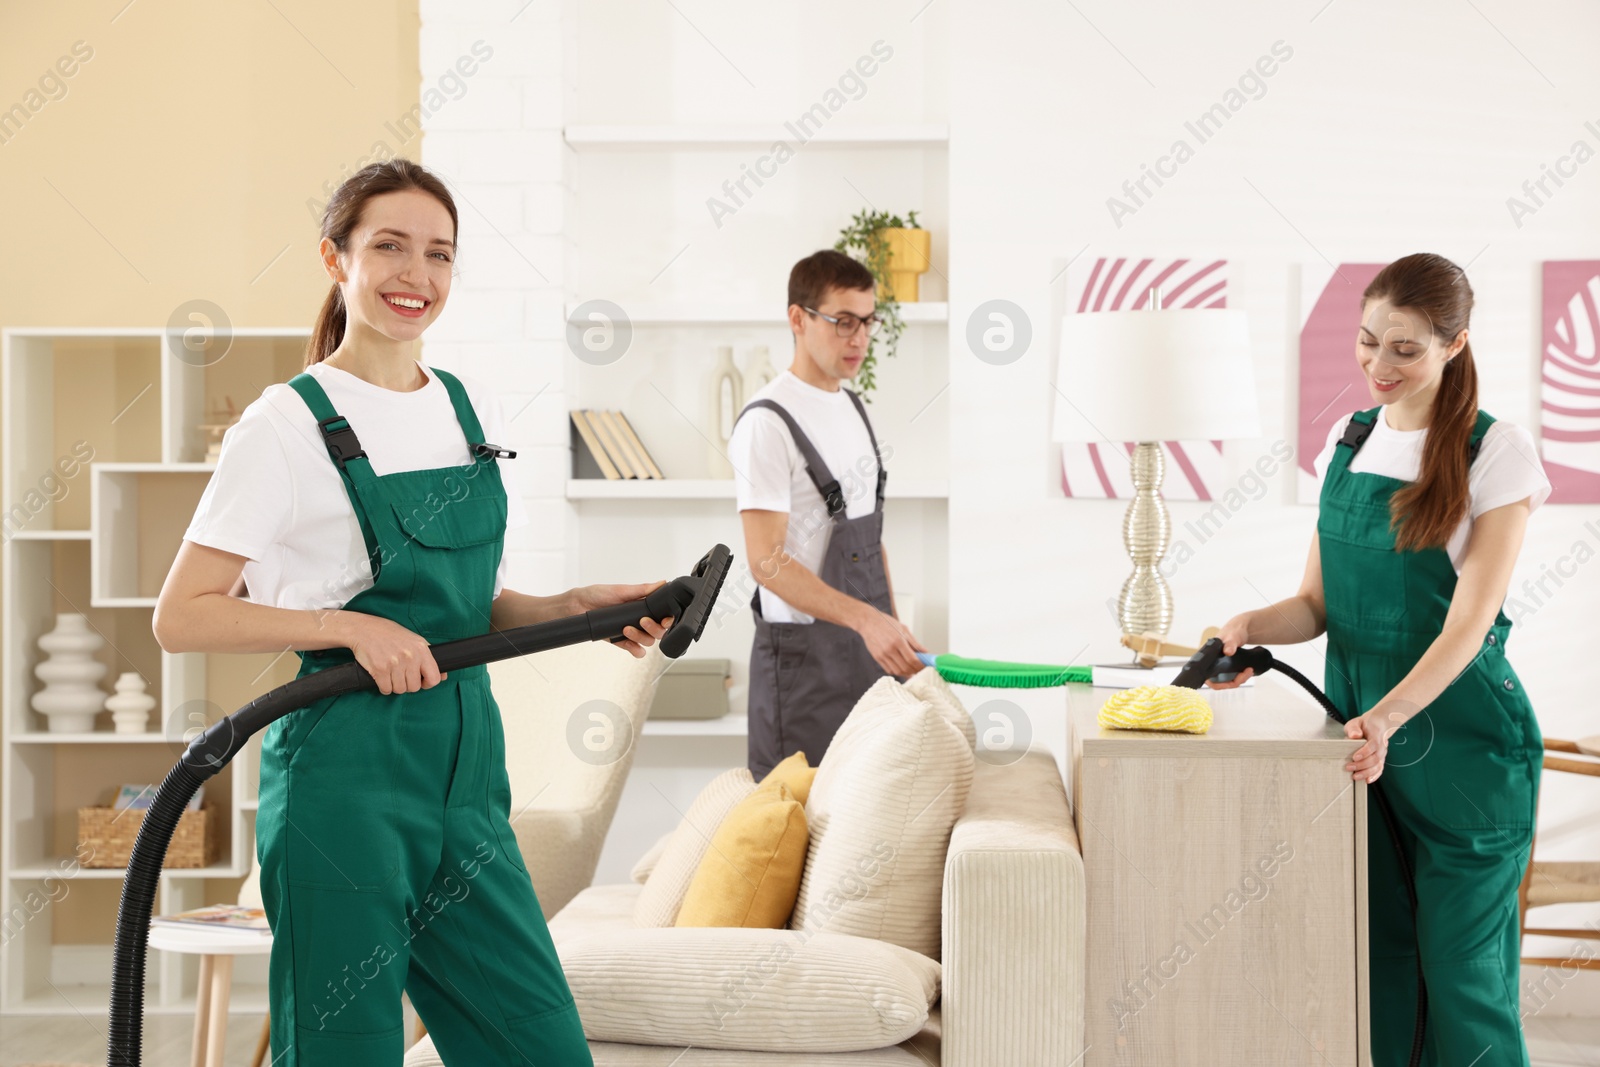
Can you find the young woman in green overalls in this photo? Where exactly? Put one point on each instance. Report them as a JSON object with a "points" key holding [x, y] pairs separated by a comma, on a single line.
{"points": [[387, 858], [1407, 575]]}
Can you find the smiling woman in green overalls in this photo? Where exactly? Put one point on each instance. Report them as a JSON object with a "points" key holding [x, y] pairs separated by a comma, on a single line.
{"points": [[362, 504], [1424, 503]]}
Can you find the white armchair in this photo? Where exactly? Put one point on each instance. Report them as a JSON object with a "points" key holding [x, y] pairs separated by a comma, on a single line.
{"points": [[572, 720]]}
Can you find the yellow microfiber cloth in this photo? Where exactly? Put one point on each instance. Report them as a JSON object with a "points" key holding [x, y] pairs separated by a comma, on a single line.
{"points": [[1157, 707]]}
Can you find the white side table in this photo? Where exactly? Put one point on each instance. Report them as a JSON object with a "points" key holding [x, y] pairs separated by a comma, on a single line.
{"points": [[216, 949]]}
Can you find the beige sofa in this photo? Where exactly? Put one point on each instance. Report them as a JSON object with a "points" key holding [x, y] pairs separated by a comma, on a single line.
{"points": [[1012, 941]]}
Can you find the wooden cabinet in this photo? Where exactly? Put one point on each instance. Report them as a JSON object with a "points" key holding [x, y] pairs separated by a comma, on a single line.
{"points": [[1226, 886]]}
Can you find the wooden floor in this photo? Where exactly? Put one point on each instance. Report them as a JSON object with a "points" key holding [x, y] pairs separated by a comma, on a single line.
{"points": [[168, 1039], [30, 1039]]}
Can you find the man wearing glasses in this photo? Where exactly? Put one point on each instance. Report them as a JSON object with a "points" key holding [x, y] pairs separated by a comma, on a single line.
{"points": [[809, 485]]}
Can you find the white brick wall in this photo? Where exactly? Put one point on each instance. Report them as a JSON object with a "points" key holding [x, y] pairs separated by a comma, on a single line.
{"points": [[497, 141]]}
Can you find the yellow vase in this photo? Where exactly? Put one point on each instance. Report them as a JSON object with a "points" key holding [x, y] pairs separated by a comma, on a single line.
{"points": [[908, 257]]}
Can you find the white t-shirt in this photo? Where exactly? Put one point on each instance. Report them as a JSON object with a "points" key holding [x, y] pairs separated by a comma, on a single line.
{"points": [[277, 499], [1507, 468], [770, 473]]}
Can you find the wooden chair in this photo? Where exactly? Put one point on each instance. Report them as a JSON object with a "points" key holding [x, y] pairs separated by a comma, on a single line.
{"points": [[1562, 882]]}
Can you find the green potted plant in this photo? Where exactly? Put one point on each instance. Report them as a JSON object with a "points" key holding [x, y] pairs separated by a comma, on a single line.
{"points": [[895, 250]]}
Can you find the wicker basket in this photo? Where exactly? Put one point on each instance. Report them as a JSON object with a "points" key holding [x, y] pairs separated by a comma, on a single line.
{"points": [[195, 843]]}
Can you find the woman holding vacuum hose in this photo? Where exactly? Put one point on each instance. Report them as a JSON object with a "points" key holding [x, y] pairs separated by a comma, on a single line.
{"points": [[1423, 507], [366, 513]]}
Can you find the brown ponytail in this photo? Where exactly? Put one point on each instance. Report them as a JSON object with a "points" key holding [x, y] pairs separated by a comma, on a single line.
{"points": [[1426, 512], [343, 215]]}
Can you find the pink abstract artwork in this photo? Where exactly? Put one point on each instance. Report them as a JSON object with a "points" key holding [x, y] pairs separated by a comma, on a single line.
{"points": [[1569, 380], [1331, 385]]}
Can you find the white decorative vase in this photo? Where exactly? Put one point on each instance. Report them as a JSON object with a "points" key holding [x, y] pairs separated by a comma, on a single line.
{"points": [[70, 698], [758, 370], [725, 401], [130, 707]]}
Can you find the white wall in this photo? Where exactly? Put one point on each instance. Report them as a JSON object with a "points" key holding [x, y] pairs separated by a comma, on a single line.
{"points": [[498, 143], [1392, 129]]}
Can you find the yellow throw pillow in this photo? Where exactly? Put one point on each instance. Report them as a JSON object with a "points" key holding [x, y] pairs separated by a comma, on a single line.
{"points": [[751, 873], [793, 772]]}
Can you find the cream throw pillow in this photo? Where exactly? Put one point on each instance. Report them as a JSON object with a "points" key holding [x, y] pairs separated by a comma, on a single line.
{"points": [[751, 989], [890, 788], [663, 891], [927, 685], [647, 862]]}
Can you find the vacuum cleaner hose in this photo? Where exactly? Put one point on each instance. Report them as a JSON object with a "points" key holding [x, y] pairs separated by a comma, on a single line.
{"points": [[1209, 662], [687, 601]]}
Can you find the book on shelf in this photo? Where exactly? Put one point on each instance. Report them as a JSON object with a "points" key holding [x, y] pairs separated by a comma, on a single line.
{"points": [[587, 446], [606, 441], [613, 447], [627, 428], [635, 458], [140, 797], [218, 917]]}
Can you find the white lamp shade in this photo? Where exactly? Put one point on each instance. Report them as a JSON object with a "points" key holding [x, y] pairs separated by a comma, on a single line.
{"points": [[1180, 374]]}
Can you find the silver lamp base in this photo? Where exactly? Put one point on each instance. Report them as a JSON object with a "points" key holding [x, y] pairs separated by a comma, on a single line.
{"points": [[1145, 603]]}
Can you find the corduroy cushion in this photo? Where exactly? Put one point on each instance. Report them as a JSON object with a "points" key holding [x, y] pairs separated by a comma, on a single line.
{"points": [[647, 862], [927, 685], [663, 891], [758, 990], [751, 873], [892, 784]]}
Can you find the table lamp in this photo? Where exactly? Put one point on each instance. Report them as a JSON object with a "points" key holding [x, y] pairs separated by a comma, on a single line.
{"points": [[1146, 377]]}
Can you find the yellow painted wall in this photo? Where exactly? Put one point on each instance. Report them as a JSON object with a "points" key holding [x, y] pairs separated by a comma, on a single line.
{"points": [[155, 153]]}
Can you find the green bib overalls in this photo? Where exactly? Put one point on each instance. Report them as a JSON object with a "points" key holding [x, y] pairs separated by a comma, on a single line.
{"points": [[387, 858], [1462, 776]]}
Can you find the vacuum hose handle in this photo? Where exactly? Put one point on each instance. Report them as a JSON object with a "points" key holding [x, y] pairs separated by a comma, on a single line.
{"points": [[1209, 662], [686, 600]]}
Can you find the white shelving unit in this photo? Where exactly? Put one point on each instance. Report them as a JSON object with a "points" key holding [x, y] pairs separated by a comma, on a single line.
{"points": [[726, 726], [680, 319], [103, 465]]}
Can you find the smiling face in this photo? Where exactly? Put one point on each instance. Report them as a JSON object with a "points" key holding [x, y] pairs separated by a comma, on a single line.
{"points": [[396, 267], [1400, 355], [837, 357]]}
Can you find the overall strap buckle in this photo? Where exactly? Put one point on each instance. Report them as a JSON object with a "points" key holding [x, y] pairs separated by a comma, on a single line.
{"points": [[833, 496], [1356, 434], [343, 445], [483, 448]]}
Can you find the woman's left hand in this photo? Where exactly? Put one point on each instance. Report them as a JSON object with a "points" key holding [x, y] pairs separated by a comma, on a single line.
{"points": [[1376, 726], [636, 639]]}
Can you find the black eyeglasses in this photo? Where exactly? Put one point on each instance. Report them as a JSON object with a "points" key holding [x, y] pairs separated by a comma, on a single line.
{"points": [[847, 324]]}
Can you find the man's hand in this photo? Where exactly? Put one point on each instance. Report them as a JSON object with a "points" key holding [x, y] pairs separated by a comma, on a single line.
{"points": [[890, 642], [635, 639]]}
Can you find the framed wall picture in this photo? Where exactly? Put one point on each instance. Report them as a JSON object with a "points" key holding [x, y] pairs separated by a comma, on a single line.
{"points": [[1331, 383], [1569, 380]]}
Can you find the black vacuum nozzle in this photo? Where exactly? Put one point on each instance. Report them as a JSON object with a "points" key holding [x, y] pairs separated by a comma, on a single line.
{"points": [[703, 583], [1209, 662]]}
